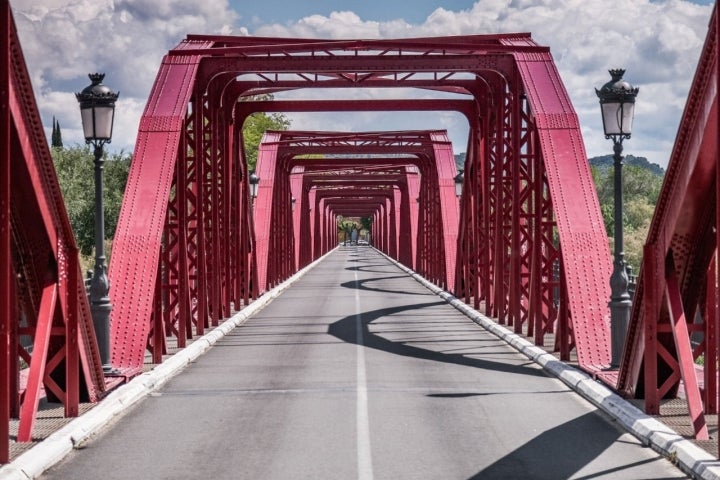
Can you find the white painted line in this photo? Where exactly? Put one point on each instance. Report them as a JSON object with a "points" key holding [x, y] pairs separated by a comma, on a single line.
{"points": [[364, 453]]}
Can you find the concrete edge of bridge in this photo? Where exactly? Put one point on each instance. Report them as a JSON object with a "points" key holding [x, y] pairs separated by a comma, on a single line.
{"points": [[75, 434], [682, 452]]}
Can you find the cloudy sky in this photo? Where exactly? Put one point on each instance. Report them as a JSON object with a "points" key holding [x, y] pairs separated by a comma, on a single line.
{"points": [[657, 41]]}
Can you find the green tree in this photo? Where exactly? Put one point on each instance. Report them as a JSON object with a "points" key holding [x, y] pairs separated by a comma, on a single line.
{"points": [[641, 188], [256, 125], [56, 140], [346, 227], [75, 171], [638, 215]]}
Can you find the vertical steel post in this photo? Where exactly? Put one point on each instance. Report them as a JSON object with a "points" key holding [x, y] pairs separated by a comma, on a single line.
{"points": [[711, 311], [713, 292], [654, 274], [5, 267]]}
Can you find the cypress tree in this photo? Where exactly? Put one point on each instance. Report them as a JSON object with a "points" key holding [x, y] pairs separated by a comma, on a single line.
{"points": [[59, 142], [56, 139], [54, 135]]}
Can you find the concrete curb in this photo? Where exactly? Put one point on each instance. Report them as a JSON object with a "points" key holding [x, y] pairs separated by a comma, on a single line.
{"points": [[60, 443], [687, 456]]}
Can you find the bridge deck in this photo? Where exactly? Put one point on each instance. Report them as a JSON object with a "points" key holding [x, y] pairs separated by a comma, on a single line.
{"points": [[358, 370]]}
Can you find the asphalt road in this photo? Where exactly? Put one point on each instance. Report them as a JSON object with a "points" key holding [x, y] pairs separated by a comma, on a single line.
{"points": [[359, 372]]}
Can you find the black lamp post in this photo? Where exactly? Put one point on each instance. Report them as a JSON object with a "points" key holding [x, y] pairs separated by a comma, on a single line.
{"points": [[254, 180], [459, 179], [97, 110], [617, 103]]}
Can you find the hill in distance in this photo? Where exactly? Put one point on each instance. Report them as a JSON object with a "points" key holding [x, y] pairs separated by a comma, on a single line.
{"points": [[604, 162]]}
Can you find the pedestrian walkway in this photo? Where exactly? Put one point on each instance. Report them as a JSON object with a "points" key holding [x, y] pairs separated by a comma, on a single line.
{"points": [[354, 370]]}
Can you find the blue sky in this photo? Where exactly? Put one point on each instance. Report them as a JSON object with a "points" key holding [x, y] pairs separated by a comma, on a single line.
{"points": [[416, 11], [281, 11], [658, 42]]}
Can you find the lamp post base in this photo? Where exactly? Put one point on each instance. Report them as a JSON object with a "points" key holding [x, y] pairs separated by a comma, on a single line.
{"points": [[100, 310], [620, 306], [619, 321]]}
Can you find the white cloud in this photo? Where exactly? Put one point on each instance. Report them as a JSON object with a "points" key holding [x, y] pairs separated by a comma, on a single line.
{"points": [[64, 40], [657, 42]]}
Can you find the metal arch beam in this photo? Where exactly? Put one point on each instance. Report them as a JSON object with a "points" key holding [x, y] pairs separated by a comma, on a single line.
{"points": [[465, 107], [267, 170], [579, 221], [334, 138], [407, 216], [138, 237], [460, 86], [274, 68], [428, 45], [408, 47], [382, 206], [431, 257]]}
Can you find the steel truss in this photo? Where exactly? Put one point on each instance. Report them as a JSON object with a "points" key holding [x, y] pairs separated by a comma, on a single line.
{"points": [[372, 166], [674, 319], [192, 249], [45, 320]]}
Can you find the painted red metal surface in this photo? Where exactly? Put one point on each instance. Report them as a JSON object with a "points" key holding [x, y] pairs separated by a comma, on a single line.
{"points": [[530, 246], [7, 296], [357, 192], [584, 252], [190, 248], [282, 153], [42, 295], [677, 295], [170, 151]]}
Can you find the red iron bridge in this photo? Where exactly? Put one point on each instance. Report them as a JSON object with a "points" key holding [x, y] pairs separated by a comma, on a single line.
{"points": [[524, 245]]}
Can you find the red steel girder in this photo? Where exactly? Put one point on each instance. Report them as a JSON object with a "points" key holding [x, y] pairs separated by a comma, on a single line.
{"points": [[381, 202], [579, 224], [466, 107], [7, 297], [458, 45]]}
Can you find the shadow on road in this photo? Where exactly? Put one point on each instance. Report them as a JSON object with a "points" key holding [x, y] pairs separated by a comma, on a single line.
{"points": [[345, 330], [555, 454], [558, 453], [551, 455], [362, 285]]}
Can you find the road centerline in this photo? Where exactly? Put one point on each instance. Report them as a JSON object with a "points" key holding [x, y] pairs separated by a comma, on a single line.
{"points": [[365, 470]]}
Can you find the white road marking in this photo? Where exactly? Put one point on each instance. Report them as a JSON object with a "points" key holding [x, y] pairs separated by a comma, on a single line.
{"points": [[365, 471]]}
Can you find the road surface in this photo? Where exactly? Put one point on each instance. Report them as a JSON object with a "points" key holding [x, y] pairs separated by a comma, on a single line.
{"points": [[359, 372]]}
